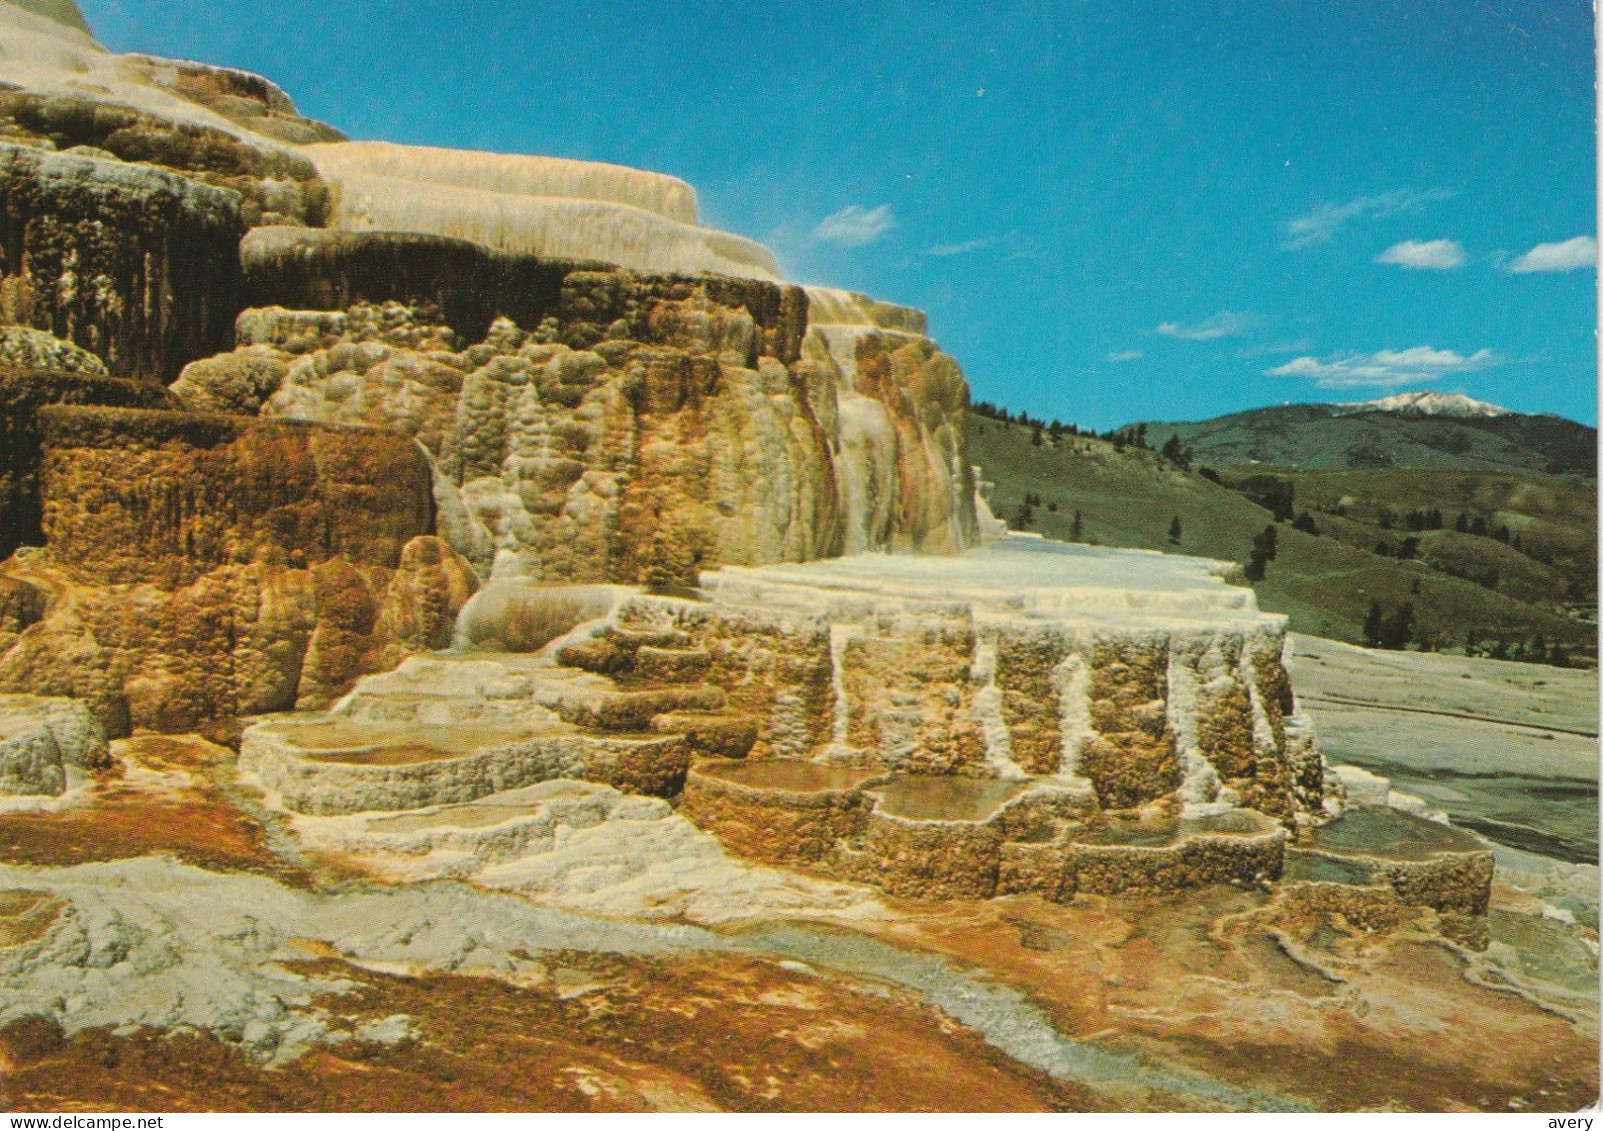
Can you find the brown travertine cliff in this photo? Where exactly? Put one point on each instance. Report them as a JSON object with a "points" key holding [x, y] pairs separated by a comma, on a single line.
{"points": [[164, 497], [23, 392], [203, 567], [136, 265]]}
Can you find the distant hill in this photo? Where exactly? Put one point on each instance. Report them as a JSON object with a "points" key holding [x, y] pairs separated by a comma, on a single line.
{"points": [[1435, 431], [1531, 569]]}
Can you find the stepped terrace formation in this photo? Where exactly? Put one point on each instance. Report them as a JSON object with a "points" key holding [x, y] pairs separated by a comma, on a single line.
{"points": [[1060, 720]]}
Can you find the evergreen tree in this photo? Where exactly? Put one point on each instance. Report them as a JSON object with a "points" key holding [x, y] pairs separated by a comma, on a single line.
{"points": [[1398, 629], [1076, 529], [1174, 530], [1372, 625]]}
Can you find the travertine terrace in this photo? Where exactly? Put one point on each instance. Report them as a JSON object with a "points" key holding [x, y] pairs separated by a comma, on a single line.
{"points": [[472, 636], [1058, 720]]}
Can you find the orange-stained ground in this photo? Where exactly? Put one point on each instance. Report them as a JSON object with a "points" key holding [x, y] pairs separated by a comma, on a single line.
{"points": [[1234, 984]]}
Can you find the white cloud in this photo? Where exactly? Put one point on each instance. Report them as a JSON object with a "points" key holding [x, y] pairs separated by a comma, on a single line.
{"points": [[1384, 368], [1126, 355], [1424, 255], [963, 248], [1221, 325], [1566, 255], [853, 226], [1322, 223]]}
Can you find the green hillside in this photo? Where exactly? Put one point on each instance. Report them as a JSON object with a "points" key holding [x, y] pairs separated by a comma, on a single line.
{"points": [[1550, 522], [1326, 582], [1333, 437]]}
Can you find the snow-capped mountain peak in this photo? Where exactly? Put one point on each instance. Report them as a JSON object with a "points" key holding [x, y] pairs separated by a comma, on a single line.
{"points": [[1428, 404]]}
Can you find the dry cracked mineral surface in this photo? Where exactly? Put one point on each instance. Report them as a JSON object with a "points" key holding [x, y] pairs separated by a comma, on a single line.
{"points": [[472, 637]]}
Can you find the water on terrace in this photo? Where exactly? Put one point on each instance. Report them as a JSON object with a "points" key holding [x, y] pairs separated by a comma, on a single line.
{"points": [[1156, 832], [790, 776], [931, 798], [1390, 833]]}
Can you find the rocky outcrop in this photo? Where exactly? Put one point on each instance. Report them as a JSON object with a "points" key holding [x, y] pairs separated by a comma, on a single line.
{"points": [[63, 12], [467, 285], [237, 640], [232, 383], [793, 814], [348, 780], [275, 185], [1413, 860], [164, 497], [225, 127], [245, 99], [23, 392], [897, 411], [512, 174], [27, 348], [202, 567], [470, 285], [831, 306], [645, 429], [40, 739], [138, 266], [1143, 677]]}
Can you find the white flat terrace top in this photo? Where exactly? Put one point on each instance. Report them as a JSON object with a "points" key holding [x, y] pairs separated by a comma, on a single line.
{"points": [[1019, 574]]}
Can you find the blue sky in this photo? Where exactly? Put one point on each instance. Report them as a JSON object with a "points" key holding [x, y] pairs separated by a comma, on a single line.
{"points": [[1111, 209]]}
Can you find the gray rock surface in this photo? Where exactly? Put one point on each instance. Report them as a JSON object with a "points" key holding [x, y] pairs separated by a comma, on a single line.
{"points": [[41, 738]]}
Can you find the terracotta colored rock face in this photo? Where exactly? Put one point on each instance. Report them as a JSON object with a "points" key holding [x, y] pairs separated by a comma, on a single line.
{"points": [[910, 699], [203, 567], [237, 640], [1133, 759], [1026, 666], [22, 393], [136, 265], [163, 497]]}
